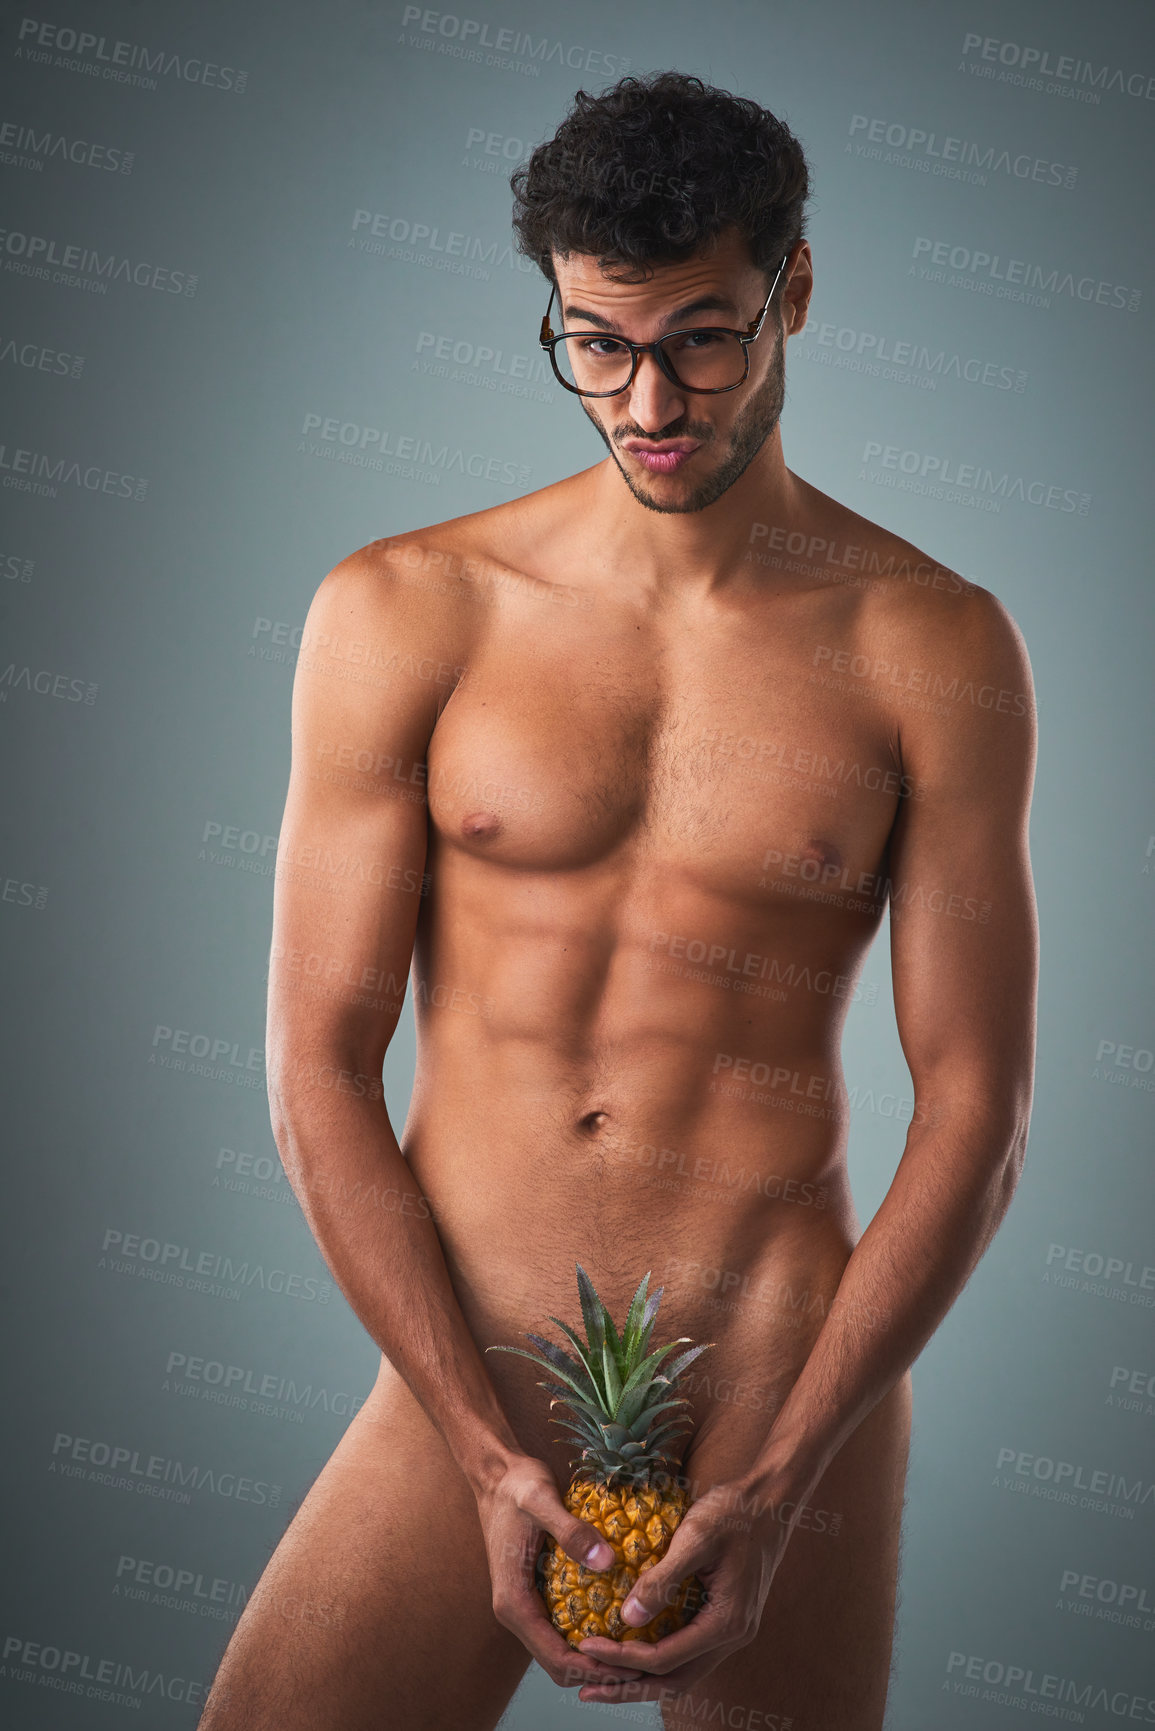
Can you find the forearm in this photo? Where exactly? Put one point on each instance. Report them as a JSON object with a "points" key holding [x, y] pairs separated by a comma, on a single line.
{"points": [[378, 1234], [948, 1197]]}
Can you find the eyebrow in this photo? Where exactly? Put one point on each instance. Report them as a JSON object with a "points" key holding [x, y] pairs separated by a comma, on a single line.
{"points": [[703, 304]]}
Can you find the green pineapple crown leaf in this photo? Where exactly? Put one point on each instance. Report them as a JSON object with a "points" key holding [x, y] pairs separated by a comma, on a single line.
{"points": [[611, 1386]]}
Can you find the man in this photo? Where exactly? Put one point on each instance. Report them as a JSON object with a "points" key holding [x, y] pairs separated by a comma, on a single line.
{"points": [[630, 768]]}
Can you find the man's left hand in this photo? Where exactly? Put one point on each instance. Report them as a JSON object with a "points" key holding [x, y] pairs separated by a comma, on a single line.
{"points": [[735, 1558]]}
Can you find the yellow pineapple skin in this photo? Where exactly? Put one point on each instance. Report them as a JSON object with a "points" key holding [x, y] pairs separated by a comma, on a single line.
{"points": [[638, 1522]]}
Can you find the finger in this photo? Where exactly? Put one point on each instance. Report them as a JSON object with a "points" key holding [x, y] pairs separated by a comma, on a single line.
{"points": [[654, 1688], [628, 1694], [580, 1540], [703, 1634], [585, 1544], [525, 1616], [661, 1586]]}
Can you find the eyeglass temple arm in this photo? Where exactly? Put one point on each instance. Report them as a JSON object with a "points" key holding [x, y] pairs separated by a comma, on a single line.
{"points": [[755, 325], [546, 328]]}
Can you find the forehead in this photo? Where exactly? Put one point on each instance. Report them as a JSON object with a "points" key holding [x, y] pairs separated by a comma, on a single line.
{"points": [[725, 270]]}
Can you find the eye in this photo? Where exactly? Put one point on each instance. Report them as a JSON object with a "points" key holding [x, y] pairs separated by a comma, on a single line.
{"points": [[699, 340], [603, 348]]}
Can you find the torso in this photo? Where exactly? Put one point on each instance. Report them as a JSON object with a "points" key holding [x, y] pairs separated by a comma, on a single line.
{"points": [[656, 843]]}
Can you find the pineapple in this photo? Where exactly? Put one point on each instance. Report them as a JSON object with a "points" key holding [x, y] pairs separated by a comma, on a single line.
{"points": [[618, 1404]]}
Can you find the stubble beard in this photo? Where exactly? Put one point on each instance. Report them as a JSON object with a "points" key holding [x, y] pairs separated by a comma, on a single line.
{"points": [[752, 427]]}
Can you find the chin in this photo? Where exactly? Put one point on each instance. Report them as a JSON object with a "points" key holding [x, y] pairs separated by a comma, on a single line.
{"points": [[678, 495], [670, 507], [682, 501]]}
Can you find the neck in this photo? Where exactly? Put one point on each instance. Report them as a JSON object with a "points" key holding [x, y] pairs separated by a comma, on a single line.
{"points": [[693, 551]]}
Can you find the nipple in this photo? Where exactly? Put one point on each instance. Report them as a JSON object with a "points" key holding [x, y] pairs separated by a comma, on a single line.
{"points": [[482, 824], [823, 853]]}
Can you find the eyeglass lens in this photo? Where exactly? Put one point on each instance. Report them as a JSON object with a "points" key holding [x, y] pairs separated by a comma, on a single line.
{"points": [[701, 360]]}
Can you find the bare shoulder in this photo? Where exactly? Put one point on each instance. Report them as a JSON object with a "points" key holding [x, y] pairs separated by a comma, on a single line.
{"points": [[449, 579], [927, 631], [392, 630]]}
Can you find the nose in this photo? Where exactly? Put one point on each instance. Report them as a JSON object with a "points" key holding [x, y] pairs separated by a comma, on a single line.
{"points": [[654, 400]]}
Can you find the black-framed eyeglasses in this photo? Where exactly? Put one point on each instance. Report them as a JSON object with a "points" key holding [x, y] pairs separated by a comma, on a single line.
{"points": [[708, 359]]}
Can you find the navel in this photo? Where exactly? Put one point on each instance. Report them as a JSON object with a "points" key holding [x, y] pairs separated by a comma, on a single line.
{"points": [[592, 1122]]}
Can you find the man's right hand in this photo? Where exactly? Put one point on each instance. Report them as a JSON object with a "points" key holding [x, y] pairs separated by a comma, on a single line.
{"points": [[516, 1509]]}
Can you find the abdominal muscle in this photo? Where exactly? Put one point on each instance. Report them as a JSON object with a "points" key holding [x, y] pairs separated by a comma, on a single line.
{"points": [[578, 1108]]}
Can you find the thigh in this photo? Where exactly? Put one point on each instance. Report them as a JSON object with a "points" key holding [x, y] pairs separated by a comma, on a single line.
{"points": [[822, 1656], [375, 1609]]}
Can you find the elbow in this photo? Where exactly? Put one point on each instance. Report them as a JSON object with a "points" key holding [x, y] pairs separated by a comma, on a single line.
{"points": [[1015, 1152], [998, 1150], [313, 1064], [301, 1084], [987, 1130], [278, 1105], [285, 1075]]}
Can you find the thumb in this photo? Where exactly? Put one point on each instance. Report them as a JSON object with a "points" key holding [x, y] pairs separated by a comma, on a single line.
{"points": [[658, 1587], [578, 1539], [585, 1544]]}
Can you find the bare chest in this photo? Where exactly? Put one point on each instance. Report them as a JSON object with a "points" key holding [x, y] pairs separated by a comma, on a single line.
{"points": [[716, 756]]}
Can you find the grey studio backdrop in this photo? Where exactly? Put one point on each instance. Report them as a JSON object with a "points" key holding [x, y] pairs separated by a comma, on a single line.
{"points": [[260, 307]]}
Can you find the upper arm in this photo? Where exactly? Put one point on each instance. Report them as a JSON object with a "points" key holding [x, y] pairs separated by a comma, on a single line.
{"points": [[964, 940], [352, 848]]}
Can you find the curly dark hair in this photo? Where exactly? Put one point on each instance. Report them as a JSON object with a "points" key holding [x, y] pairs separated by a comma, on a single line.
{"points": [[650, 171]]}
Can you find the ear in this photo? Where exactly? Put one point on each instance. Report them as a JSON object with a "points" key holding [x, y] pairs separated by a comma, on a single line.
{"points": [[799, 287]]}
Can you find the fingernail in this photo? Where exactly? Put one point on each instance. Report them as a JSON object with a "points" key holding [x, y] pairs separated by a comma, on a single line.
{"points": [[633, 1614], [600, 1557]]}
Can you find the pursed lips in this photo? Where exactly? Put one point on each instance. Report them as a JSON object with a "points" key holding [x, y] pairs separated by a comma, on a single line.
{"points": [[664, 458]]}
